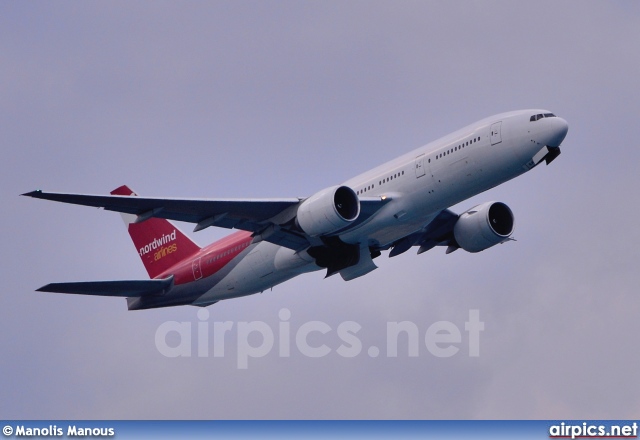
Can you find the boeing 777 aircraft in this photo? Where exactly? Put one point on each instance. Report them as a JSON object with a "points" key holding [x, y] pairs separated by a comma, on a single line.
{"points": [[396, 206]]}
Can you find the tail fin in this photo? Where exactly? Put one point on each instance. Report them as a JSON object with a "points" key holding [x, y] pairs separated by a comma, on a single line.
{"points": [[159, 243]]}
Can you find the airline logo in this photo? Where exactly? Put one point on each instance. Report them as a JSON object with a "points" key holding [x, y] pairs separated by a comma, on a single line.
{"points": [[159, 244]]}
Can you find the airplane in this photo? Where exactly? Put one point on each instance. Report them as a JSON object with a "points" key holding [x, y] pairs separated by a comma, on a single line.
{"points": [[341, 229]]}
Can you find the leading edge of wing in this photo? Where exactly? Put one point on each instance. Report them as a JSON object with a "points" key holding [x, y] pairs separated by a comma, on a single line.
{"points": [[226, 213], [266, 218], [126, 288]]}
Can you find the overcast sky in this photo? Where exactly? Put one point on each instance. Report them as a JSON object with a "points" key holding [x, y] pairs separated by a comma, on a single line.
{"points": [[280, 99]]}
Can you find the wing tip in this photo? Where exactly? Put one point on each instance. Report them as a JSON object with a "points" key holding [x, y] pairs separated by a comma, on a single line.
{"points": [[45, 288], [35, 193]]}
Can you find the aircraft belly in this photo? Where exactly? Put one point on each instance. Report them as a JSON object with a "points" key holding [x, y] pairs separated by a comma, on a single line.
{"points": [[257, 272]]}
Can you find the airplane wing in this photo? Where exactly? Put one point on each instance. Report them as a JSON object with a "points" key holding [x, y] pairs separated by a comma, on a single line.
{"points": [[438, 232], [133, 288], [266, 218]]}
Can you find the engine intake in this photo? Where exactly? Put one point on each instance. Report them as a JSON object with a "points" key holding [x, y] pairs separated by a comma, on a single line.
{"points": [[328, 211], [484, 226]]}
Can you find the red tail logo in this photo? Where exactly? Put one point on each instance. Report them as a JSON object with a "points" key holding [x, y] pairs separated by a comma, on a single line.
{"points": [[159, 243]]}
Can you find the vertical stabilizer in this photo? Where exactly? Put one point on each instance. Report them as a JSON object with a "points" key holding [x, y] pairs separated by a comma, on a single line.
{"points": [[158, 242]]}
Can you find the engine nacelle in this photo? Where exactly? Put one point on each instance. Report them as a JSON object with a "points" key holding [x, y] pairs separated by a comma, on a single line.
{"points": [[484, 226], [328, 210]]}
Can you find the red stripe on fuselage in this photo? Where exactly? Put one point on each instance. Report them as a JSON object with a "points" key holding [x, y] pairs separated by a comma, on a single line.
{"points": [[210, 259]]}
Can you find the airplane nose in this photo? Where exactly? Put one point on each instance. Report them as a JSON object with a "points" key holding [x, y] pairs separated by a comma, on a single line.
{"points": [[557, 131]]}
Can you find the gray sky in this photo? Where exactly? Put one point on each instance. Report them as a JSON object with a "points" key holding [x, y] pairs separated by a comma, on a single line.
{"points": [[263, 99]]}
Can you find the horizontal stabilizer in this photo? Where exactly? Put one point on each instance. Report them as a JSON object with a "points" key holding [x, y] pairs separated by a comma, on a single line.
{"points": [[130, 288]]}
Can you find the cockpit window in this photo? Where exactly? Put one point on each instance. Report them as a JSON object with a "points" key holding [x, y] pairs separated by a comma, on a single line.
{"points": [[540, 116]]}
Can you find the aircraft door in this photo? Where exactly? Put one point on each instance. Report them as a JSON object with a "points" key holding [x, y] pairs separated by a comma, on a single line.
{"points": [[195, 267], [496, 136], [419, 166]]}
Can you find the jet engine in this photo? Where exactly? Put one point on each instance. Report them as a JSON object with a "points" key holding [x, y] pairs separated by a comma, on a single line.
{"points": [[328, 211], [484, 226]]}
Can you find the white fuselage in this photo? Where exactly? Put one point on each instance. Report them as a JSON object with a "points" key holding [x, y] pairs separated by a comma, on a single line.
{"points": [[420, 184]]}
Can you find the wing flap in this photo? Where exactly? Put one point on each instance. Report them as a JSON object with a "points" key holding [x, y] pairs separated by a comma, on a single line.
{"points": [[126, 288]]}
